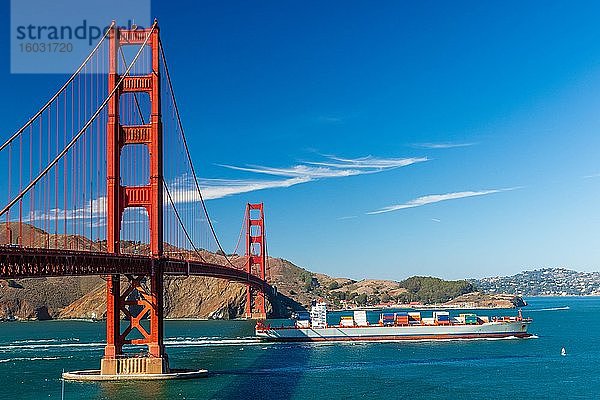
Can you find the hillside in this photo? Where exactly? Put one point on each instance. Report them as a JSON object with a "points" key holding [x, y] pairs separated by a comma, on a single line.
{"points": [[202, 297], [42, 298], [543, 282]]}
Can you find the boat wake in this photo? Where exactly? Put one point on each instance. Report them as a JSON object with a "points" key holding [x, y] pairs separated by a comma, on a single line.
{"points": [[551, 309], [212, 341], [48, 346], [32, 359], [29, 341], [74, 344]]}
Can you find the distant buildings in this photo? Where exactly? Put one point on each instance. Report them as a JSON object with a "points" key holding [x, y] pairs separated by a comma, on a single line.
{"points": [[543, 282]]}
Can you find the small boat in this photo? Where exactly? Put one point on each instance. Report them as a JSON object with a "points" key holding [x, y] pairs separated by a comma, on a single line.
{"points": [[563, 352]]}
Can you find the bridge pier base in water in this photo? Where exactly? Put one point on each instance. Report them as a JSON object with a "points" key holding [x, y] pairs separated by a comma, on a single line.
{"points": [[142, 299], [134, 366]]}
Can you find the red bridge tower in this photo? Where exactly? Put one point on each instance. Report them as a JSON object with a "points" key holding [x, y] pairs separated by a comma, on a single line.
{"points": [[147, 299], [256, 253]]}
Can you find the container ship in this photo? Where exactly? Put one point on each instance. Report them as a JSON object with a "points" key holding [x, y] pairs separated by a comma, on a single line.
{"points": [[396, 326]]}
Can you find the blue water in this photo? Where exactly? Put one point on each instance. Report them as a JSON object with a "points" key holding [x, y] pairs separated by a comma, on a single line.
{"points": [[32, 355]]}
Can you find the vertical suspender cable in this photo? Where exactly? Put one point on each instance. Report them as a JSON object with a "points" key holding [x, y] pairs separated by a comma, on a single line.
{"points": [[188, 154], [76, 137], [39, 113]]}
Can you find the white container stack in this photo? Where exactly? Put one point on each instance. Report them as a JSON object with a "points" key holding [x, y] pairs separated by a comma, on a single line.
{"points": [[360, 318], [303, 324], [318, 315]]}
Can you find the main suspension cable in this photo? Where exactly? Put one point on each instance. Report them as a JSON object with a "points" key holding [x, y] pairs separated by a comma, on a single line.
{"points": [[17, 133], [81, 132]]}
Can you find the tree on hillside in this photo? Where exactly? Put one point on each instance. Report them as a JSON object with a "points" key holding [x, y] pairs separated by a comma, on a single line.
{"points": [[434, 290], [361, 299]]}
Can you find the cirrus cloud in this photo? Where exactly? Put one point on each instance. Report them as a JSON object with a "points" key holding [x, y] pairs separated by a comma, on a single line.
{"points": [[444, 145], [310, 171], [436, 198]]}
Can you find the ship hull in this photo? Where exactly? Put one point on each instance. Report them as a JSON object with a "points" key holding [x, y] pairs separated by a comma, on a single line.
{"points": [[491, 330]]}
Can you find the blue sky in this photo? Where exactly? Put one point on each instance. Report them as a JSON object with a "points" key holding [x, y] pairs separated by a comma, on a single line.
{"points": [[388, 139]]}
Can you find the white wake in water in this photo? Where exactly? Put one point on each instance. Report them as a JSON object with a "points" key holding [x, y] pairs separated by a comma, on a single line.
{"points": [[29, 341], [212, 341], [551, 309], [31, 359], [73, 343]]}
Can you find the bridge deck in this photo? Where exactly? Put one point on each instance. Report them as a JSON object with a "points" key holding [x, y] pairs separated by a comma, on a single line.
{"points": [[17, 263]]}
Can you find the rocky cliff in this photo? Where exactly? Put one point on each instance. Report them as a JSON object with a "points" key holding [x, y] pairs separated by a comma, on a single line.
{"points": [[193, 297], [42, 298]]}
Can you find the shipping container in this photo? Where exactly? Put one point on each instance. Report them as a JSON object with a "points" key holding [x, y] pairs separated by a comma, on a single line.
{"points": [[360, 318], [387, 319], [442, 317], [441, 313], [301, 315], [414, 317], [302, 323]]}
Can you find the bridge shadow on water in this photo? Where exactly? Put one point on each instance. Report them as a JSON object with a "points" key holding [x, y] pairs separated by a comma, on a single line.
{"points": [[138, 390], [275, 372], [240, 367]]}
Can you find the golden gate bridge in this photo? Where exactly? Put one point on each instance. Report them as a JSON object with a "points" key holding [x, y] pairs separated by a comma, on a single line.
{"points": [[100, 181]]}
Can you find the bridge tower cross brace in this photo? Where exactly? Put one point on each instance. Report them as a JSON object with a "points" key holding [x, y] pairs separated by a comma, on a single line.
{"points": [[120, 197], [256, 255]]}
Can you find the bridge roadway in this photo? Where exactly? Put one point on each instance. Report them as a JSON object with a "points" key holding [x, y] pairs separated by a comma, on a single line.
{"points": [[20, 262]]}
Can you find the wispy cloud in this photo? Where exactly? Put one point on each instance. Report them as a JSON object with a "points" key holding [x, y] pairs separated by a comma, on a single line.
{"points": [[219, 188], [331, 167], [183, 188], [330, 119], [370, 163], [436, 198], [596, 175], [444, 145], [92, 209]]}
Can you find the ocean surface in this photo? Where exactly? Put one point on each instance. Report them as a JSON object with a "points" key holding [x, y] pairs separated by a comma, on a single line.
{"points": [[33, 354]]}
